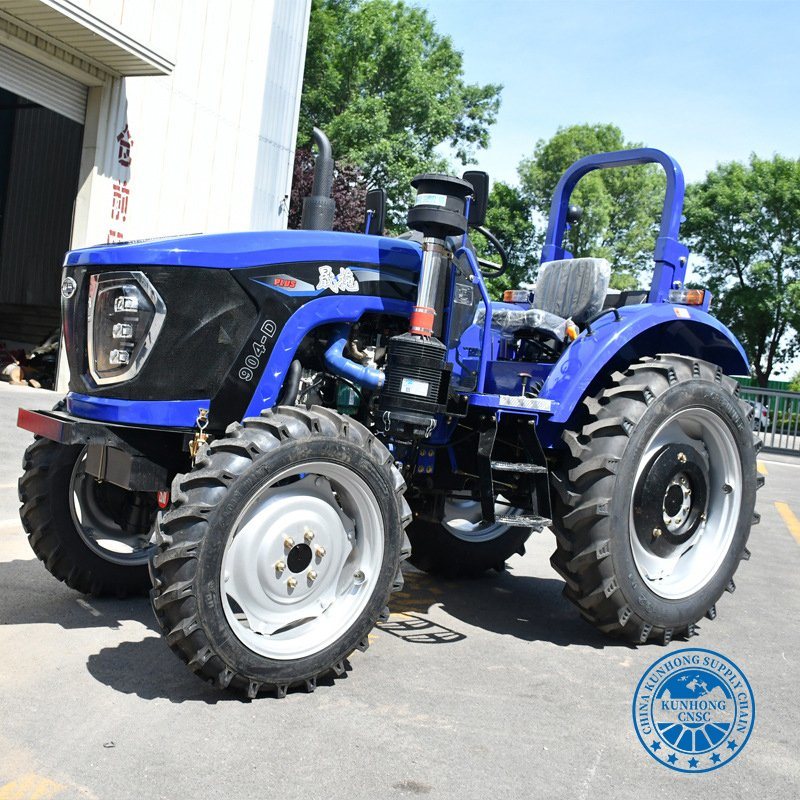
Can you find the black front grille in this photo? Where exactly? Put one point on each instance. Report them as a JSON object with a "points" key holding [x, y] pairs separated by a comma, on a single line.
{"points": [[208, 317]]}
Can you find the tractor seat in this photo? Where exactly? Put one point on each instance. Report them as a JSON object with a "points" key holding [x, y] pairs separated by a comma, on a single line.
{"points": [[570, 289]]}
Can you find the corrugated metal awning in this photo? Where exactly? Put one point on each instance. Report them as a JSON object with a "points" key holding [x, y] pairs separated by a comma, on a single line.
{"points": [[87, 36], [34, 81]]}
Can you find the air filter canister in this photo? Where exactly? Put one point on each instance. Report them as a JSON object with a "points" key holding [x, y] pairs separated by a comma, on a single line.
{"points": [[417, 379]]}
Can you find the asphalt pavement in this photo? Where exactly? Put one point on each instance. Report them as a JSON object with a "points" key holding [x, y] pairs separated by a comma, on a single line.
{"points": [[492, 688]]}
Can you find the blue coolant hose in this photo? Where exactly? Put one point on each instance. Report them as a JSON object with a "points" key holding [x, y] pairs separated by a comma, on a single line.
{"points": [[339, 365]]}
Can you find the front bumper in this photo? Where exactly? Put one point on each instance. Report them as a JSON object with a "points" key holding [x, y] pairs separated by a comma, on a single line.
{"points": [[151, 413], [132, 457]]}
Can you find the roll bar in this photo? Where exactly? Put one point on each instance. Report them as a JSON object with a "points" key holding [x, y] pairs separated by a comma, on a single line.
{"points": [[670, 255]]}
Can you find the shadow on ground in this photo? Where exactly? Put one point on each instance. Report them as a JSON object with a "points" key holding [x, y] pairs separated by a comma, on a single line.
{"points": [[32, 596], [530, 609], [527, 608]]}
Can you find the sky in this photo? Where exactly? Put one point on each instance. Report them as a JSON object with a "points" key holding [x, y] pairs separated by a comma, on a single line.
{"points": [[707, 81]]}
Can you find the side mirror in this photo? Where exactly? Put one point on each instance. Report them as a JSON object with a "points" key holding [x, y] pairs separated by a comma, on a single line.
{"points": [[375, 217], [480, 190]]}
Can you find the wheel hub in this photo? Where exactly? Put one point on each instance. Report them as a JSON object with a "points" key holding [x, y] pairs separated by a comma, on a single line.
{"points": [[685, 506], [670, 498], [268, 575], [303, 559], [299, 558]]}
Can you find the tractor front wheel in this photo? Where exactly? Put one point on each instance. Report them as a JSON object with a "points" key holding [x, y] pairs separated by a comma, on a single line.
{"points": [[280, 550], [657, 490], [90, 534]]}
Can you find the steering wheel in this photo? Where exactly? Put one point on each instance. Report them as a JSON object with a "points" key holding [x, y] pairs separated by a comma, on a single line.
{"points": [[492, 269]]}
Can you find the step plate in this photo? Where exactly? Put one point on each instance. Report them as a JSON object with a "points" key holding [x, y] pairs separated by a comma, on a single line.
{"points": [[508, 466], [523, 521]]}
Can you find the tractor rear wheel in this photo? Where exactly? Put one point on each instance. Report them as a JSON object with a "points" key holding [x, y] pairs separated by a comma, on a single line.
{"points": [[280, 550], [657, 490], [461, 545]]}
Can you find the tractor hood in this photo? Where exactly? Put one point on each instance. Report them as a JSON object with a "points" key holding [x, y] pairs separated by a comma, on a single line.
{"points": [[252, 249]]}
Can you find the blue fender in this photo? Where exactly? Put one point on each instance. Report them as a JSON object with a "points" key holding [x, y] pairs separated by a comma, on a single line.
{"points": [[641, 331]]}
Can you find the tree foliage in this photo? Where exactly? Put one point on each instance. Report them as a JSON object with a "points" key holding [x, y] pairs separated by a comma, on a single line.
{"points": [[621, 207], [745, 220], [387, 88], [509, 218], [349, 192]]}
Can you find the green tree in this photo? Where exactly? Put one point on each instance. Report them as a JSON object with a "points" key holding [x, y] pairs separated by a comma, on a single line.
{"points": [[794, 384], [745, 220], [621, 207], [509, 218], [388, 89]]}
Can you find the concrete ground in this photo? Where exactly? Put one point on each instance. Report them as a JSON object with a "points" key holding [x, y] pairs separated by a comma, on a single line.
{"points": [[489, 688]]}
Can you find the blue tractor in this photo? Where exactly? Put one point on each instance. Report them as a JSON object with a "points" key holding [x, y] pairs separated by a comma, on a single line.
{"points": [[261, 426]]}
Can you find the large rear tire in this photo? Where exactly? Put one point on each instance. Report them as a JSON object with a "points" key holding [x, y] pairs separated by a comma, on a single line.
{"points": [[280, 551], [657, 490], [93, 536]]}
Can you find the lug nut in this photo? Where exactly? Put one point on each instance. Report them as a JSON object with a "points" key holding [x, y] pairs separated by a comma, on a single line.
{"points": [[288, 542], [312, 576], [656, 533], [320, 551], [291, 583], [682, 458], [308, 535], [280, 566]]}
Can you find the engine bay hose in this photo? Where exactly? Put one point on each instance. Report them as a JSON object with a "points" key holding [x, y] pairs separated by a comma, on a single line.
{"points": [[344, 367], [291, 384]]}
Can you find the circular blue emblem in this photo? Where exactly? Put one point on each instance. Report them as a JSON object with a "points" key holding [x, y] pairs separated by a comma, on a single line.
{"points": [[693, 710]]}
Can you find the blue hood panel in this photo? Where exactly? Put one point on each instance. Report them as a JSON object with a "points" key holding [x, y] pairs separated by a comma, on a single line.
{"points": [[252, 249]]}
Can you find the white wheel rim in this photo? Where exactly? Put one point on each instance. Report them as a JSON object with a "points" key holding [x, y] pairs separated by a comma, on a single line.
{"points": [[692, 565], [319, 525], [463, 518], [101, 534]]}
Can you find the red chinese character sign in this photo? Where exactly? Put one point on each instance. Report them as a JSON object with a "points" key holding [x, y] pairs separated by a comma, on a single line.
{"points": [[121, 191], [125, 141]]}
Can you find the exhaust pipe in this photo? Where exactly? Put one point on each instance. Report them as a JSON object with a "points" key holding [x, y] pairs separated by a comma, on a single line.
{"points": [[319, 207]]}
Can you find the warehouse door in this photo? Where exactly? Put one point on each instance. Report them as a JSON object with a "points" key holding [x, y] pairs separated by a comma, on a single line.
{"points": [[41, 131]]}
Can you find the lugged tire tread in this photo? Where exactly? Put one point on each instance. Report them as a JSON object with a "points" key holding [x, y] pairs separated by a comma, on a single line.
{"points": [[65, 561], [580, 530], [181, 530]]}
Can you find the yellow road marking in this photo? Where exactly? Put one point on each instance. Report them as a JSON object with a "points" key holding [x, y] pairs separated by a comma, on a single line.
{"points": [[762, 468], [30, 787], [791, 521]]}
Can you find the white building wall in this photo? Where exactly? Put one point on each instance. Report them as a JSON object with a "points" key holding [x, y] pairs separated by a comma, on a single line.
{"points": [[212, 145]]}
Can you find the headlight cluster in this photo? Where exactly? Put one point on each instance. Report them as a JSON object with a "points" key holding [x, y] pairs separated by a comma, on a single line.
{"points": [[125, 315]]}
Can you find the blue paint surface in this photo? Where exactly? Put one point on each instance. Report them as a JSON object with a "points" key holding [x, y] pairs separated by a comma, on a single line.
{"points": [[587, 355], [253, 249], [159, 413]]}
